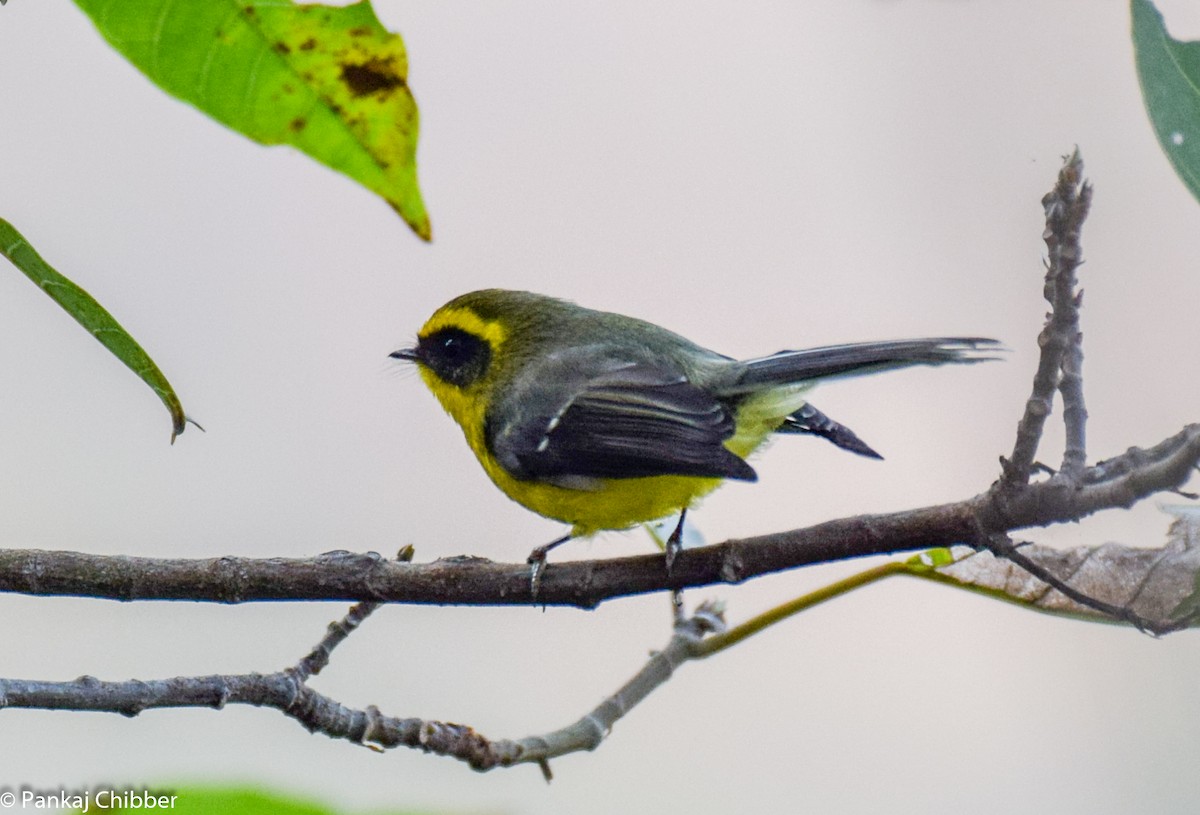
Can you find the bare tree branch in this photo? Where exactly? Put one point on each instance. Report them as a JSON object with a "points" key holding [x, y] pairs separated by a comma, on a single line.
{"points": [[284, 690], [1159, 584], [1118, 482], [1066, 208], [1157, 590], [287, 692]]}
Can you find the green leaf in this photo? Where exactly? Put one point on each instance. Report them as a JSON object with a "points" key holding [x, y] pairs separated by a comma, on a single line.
{"points": [[1169, 72], [92, 316], [329, 81], [931, 559]]}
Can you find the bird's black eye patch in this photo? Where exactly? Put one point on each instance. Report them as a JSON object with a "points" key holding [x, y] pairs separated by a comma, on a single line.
{"points": [[457, 357]]}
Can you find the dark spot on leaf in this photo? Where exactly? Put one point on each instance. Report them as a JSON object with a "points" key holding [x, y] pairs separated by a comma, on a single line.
{"points": [[297, 124], [249, 11], [308, 44], [282, 47], [370, 77], [360, 31]]}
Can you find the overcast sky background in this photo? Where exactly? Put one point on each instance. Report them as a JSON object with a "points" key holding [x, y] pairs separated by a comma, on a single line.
{"points": [[757, 176]]}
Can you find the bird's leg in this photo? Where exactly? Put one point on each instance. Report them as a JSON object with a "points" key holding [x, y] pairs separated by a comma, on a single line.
{"points": [[537, 559], [674, 547]]}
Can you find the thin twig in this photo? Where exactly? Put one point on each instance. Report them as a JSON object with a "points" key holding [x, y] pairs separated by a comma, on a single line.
{"points": [[318, 657], [589, 731], [1066, 207], [339, 630], [282, 691], [1066, 255], [287, 692], [727, 639], [1002, 546]]}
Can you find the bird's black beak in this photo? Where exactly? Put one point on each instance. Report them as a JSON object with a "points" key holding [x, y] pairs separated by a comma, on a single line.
{"points": [[406, 354]]}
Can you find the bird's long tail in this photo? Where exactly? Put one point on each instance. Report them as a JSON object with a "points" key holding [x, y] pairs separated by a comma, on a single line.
{"points": [[856, 359]]}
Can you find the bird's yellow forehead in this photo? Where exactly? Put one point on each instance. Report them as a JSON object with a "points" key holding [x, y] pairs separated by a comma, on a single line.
{"points": [[467, 320]]}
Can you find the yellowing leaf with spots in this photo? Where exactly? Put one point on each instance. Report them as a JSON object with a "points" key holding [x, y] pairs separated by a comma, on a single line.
{"points": [[329, 81]]}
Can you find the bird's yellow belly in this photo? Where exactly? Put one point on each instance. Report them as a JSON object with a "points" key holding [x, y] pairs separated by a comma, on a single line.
{"points": [[617, 503], [610, 503]]}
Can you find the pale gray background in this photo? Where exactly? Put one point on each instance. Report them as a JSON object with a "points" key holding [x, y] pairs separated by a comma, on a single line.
{"points": [[755, 175]]}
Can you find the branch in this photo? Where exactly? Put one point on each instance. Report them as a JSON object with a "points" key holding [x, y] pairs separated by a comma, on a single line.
{"points": [[287, 692], [1061, 360], [283, 690], [1061, 363], [345, 576], [1161, 585]]}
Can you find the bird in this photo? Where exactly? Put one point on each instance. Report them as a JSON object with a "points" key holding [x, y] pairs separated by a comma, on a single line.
{"points": [[603, 421]]}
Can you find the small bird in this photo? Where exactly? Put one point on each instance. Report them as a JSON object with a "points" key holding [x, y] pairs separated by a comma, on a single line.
{"points": [[604, 421]]}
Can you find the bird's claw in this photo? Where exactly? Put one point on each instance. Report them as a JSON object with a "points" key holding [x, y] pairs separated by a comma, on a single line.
{"points": [[537, 559], [537, 566]]}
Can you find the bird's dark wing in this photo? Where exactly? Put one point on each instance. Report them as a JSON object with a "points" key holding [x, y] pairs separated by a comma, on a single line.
{"points": [[637, 420]]}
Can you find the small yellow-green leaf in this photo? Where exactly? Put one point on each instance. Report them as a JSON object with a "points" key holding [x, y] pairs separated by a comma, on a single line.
{"points": [[92, 316], [1169, 72], [931, 559], [330, 81]]}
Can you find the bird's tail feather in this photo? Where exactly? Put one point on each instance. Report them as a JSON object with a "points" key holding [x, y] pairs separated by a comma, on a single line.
{"points": [[856, 359], [810, 420]]}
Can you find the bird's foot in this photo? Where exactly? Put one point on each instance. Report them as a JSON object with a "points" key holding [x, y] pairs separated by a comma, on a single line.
{"points": [[537, 563]]}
